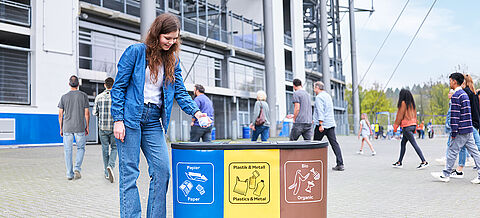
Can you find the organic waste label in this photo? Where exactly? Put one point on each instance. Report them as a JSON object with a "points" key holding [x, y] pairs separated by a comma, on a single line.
{"points": [[303, 181], [249, 182]]}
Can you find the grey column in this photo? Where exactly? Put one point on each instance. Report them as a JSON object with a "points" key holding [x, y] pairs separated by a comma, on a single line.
{"points": [[353, 51], [147, 16], [324, 38], [270, 63]]}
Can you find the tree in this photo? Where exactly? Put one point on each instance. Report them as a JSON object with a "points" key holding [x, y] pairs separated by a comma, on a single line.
{"points": [[368, 98], [438, 104]]}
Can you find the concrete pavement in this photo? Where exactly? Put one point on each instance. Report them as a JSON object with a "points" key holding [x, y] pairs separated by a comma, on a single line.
{"points": [[33, 184]]}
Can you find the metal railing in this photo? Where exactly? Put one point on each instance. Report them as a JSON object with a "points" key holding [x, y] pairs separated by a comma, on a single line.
{"points": [[15, 13]]}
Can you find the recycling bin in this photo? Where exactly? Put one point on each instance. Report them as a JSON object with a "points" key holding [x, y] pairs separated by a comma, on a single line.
{"points": [[246, 132], [250, 179]]}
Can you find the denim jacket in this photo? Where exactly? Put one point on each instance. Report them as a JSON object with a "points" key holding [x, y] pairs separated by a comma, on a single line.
{"points": [[448, 129], [127, 91]]}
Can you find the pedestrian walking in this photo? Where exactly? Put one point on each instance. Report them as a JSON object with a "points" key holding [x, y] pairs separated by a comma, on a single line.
{"points": [[430, 129], [377, 130], [468, 87], [102, 109], [302, 113], [420, 130], [148, 80], [461, 130], [407, 119], [364, 132], [261, 118], [74, 117], [324, 120], [206, 106]]}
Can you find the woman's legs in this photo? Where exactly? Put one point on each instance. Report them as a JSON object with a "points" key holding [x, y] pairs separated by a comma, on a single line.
{"points": [[128, 159], [256, 133], [369, 144], [154, 147], [410, 136], [363, 141], [265, 133], [403, 145]]}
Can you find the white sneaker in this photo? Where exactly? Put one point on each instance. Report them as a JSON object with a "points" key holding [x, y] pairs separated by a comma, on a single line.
{"points": [[475, 181], [440, 176], [457, 174], [360, 152], [374, 153]]}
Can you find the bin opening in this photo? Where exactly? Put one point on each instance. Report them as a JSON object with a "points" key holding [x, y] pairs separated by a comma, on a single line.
{"points": [[243, 145]]}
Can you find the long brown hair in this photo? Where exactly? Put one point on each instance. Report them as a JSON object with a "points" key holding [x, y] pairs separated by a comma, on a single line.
{"points": [[469, 82], [156, 56]]}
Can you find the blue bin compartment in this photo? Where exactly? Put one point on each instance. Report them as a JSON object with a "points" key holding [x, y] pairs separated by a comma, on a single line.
{"points": [[246, 132], [194, 186]]}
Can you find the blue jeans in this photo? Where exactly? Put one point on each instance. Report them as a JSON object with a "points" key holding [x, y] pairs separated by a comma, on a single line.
{"points": [[108, 141], [151, 140], [263, 130], [80, 140]]}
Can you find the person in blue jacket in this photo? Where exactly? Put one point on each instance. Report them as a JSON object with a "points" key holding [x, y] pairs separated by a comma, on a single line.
{"points": [[148, 80]]}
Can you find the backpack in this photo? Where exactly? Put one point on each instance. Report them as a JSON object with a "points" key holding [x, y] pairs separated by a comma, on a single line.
{"points": [[261, 117]]}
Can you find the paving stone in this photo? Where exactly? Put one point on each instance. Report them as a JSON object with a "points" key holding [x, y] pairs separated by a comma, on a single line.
{"points": [[33, 184]]}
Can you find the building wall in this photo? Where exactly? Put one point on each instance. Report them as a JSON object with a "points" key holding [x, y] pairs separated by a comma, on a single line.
{"points": [[50, 67], [87, 41]]}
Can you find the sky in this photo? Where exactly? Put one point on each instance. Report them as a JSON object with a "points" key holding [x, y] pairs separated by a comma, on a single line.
{"points": [[448, 39]]}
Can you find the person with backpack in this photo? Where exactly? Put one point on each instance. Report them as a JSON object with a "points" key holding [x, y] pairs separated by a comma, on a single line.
{"points": [[261, 119]]}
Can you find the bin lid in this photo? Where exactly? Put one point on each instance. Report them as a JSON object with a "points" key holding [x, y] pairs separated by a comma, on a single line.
{"points": [[244, 145]]}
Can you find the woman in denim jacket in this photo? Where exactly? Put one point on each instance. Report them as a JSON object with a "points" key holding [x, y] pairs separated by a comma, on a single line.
{"points": [[148, 79]]}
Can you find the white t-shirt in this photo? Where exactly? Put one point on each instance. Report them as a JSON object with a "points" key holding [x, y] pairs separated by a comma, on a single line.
{"points": [[152, 92]]}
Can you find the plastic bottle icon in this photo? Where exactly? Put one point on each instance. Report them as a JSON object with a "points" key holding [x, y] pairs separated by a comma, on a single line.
{"points": [[259, 188], [252, 182]]}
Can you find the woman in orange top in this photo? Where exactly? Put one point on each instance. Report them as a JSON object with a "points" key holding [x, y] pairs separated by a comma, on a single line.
{"points": [[407, 119]]}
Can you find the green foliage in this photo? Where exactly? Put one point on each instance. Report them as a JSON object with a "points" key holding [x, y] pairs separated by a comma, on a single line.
{"points": [[431, 100], [438, 102], [368, 98]]}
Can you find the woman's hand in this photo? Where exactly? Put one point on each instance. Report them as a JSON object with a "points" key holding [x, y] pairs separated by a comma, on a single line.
{"points": [[119, 130], [199, 115]]}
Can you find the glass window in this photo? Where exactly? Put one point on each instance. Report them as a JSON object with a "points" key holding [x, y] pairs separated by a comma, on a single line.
{"points": [[201, 70], [239, 77], [100, 51], [259, 79], [186, 60], [14, 76], [218, 72], [249, 81]]}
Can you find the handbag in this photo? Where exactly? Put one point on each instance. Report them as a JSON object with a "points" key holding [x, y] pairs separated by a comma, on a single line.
{"points": [[261, 117]]}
